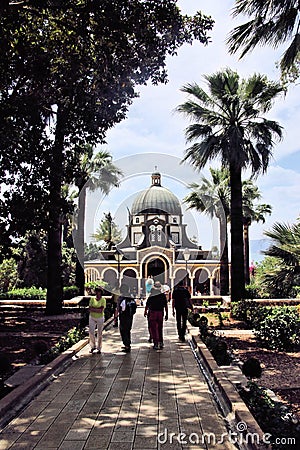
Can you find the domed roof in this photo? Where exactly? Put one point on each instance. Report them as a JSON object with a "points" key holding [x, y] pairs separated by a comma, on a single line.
{"points": [[156, 199]]}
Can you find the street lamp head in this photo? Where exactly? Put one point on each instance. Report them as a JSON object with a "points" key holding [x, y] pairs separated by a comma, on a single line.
{"points": [[118, 254], [186, 254]]}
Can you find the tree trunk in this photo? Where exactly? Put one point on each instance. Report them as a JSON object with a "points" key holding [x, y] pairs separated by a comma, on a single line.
{"points": [[224, 269], [79, 244], [237, 245], [246, 251], [54, 301]]}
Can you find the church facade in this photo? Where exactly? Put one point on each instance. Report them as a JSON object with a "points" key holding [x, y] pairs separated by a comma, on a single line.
{"points": [[157, 245]]}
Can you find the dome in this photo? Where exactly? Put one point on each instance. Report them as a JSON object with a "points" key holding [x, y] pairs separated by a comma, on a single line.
{"points": [[156, 199]]}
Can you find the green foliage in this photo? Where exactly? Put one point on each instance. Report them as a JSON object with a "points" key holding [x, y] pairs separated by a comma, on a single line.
{"points": [[8, 274], [32, 293], [70, 292], [69, 72], [32, 260], [270, 23], [91, 251], [218, 348], [243, 310], [252, 291], [229, 124], [108, 232], [272, 416], [91, 285], [73, 336], [279, 329], [284, 275]]}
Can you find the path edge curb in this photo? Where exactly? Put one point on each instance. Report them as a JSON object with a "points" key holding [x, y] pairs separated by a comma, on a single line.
{"points": [[236, 411]]}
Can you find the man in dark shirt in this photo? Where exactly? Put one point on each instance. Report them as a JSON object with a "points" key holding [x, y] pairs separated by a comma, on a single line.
{"points": [[155, 306], [181, 302]]}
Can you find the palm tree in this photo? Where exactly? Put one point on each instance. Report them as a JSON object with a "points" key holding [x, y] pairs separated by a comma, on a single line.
{"points": [[251, 212], [229, 126], [271, 22], [94, 172], [212, 198], [108, 232], [286, 249]]}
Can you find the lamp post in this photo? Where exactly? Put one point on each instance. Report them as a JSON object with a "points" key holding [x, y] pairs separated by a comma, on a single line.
{"points": [[186, 257], [118, 257]]}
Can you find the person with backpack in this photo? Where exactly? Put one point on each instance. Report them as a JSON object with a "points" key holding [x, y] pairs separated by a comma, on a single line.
{"points": [[181, 303], [126, 310]]}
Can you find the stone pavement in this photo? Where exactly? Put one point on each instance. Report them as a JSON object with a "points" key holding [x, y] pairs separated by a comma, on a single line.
{"points": [[122, 401]]}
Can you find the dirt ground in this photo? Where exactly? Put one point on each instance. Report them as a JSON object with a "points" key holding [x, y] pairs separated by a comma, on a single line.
{"points": [[281, 370], [21, 329]]}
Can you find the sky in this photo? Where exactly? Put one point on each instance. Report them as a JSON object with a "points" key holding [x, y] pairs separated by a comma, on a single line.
{"points": [[152, 136]]}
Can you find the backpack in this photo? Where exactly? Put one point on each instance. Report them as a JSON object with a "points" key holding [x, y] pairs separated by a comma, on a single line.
{"points": [[130, 308]]}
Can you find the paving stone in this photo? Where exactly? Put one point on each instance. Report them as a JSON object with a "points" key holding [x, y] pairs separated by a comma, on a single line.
{"points": [[117, 401]]}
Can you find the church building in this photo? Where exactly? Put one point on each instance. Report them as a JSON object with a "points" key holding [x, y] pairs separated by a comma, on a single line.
{"points": [[157, 245]]}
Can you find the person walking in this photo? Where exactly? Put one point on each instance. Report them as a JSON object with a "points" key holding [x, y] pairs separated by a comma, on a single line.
{"points": [[154, 310], [126, 309], [149, 285], [181, 303], [97, 305]]}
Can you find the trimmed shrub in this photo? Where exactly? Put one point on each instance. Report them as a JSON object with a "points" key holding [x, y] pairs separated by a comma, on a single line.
{"points": [[252, 368]]}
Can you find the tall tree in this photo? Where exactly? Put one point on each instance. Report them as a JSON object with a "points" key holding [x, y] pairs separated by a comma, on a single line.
{"points": [[229, 126], [93, 172], [213, 198], [272, 22], [68, 72], [252, 211], [108, 232]]}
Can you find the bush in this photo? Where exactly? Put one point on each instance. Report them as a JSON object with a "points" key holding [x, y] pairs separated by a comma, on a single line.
{"points": [[70, 292], [32, 293], [73, 336], [242, 310], [273, 417], [218, 348], [279, 329], [252, 368]]}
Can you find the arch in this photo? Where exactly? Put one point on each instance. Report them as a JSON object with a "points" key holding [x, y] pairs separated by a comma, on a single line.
{"points": [[91, 274], [156, 254], [130, 277], [202, 277]]}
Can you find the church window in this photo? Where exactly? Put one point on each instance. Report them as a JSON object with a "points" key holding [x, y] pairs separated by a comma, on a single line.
{"points": [[137, 220], [175, 237], [136, 237], [174, 219]]}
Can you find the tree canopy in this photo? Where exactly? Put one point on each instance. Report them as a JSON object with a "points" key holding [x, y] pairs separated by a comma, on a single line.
{"points": [[272, 22], [68, 72]]}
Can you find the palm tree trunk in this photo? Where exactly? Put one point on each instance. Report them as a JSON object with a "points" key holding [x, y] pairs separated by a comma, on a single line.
{"points": [[224, 269], [54, 282], [237, 245], [246, 252]]}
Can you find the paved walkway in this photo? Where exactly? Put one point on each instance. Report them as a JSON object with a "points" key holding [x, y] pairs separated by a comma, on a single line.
{"points": [[118, 401]]}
